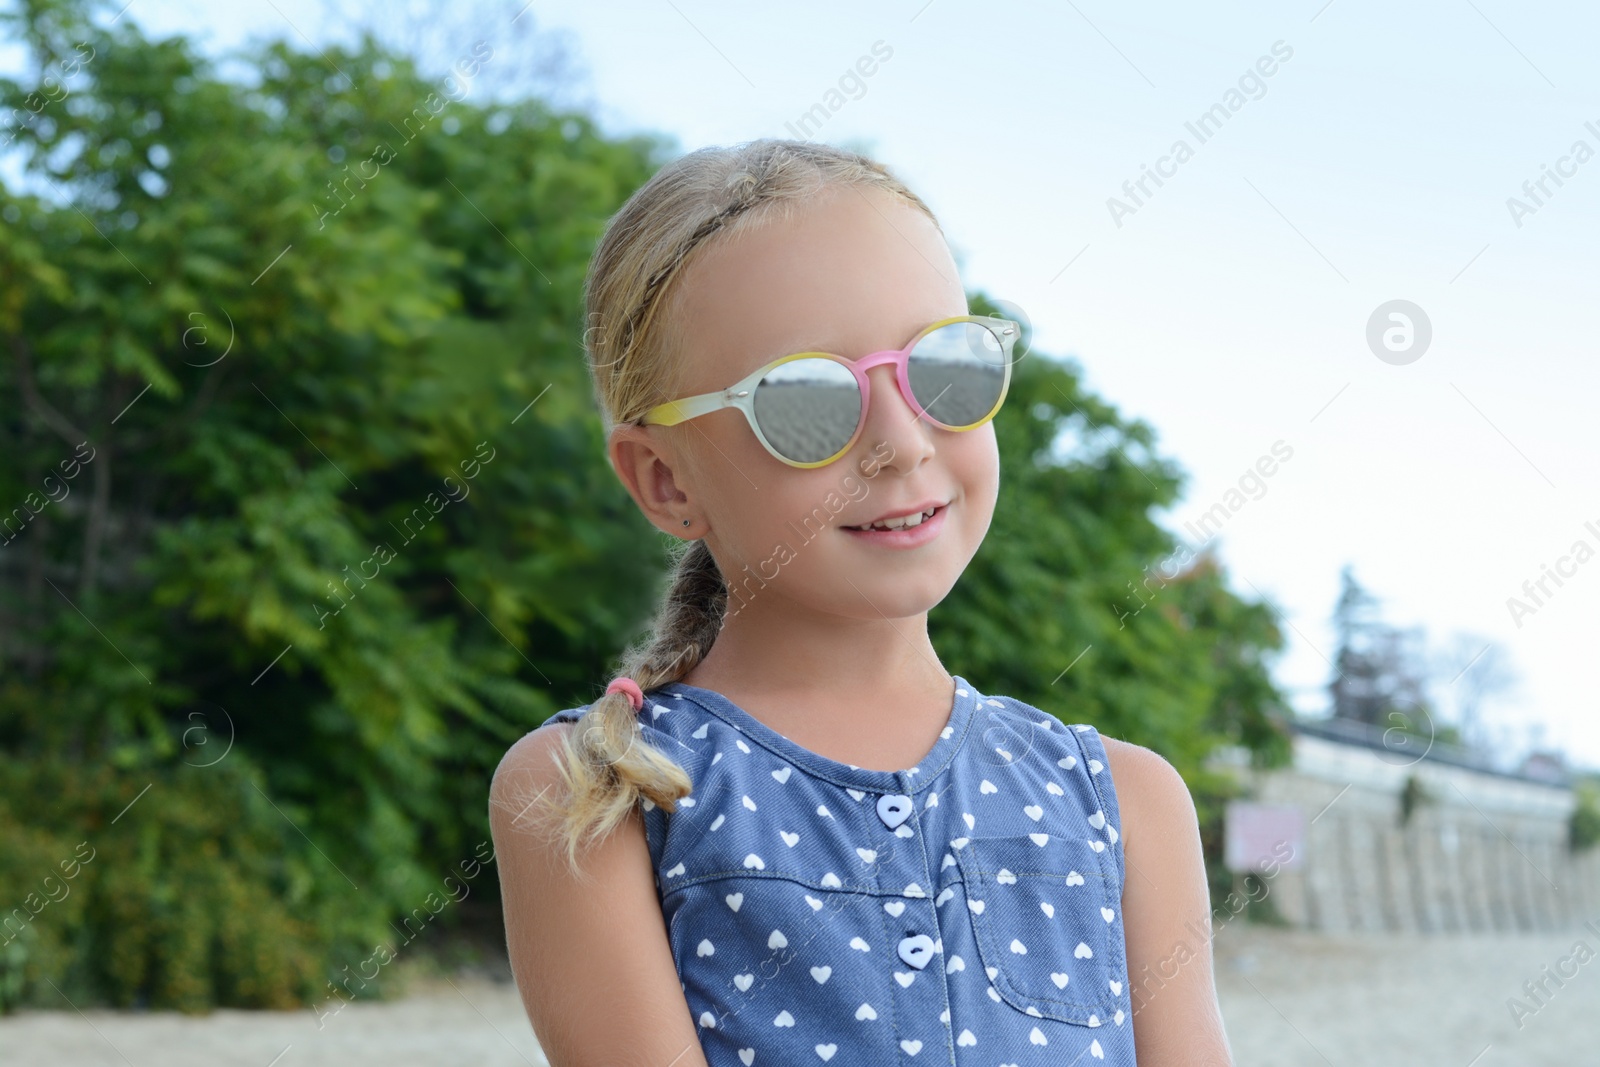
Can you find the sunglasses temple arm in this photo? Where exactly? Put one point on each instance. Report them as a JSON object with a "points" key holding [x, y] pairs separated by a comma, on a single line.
{"points": [[676, 411]]}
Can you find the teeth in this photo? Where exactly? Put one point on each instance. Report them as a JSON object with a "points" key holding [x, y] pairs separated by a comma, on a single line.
{"points": [[902, 523]]}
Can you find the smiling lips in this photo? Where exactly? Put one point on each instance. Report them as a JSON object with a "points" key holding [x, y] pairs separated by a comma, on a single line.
{"points": [[906, 530]]}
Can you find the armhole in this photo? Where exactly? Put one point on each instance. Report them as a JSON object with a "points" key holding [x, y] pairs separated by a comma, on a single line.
{"points": [[1105, 790], [569, 715]]}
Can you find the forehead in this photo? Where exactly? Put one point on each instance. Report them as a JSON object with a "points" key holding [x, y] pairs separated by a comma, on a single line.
{"points": [[853, 271]]}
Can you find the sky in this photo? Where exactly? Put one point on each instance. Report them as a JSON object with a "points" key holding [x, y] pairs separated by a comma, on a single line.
{"points": [[1445, 155]]}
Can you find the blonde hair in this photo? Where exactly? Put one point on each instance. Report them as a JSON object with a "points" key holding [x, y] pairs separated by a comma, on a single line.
{"points": [[706, 197]]}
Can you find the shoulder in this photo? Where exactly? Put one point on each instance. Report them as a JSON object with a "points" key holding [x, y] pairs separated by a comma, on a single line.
{"points": [[1151, 792], [529, 767]]}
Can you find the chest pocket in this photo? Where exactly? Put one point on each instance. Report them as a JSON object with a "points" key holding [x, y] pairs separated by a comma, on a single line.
{"points": [[1048, 923]]}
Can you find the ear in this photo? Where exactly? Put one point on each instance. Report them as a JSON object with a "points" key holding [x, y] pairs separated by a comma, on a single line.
{"points": [[645, 467]]}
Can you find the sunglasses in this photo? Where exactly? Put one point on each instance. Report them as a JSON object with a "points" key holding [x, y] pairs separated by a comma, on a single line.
{"points": [[808, 409]]}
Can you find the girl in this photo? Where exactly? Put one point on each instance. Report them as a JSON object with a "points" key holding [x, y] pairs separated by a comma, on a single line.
{"points": [[803, 840]]}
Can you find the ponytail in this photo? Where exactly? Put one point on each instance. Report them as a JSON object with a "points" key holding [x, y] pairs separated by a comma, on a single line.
{"points": [[606, 765]]}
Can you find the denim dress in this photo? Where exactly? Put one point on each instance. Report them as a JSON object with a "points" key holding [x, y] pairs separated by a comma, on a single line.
{"points": [[965, 911]]}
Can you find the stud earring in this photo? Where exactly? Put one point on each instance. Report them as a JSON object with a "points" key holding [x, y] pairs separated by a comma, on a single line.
{"points": [[686, 522]]}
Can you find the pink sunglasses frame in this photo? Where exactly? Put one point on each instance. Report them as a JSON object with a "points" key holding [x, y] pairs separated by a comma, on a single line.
{"points": [[741, 394]]}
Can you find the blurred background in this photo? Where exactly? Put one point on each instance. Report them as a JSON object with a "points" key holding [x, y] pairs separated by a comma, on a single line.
{"points": [[1300, 481]]}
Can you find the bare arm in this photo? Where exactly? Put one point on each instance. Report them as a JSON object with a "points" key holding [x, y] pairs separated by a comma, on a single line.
{"points": [[591, 958], [1166, 911]]}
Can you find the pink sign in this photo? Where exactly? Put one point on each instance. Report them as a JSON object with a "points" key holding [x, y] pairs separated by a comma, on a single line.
{"points": [[1263, 836]]}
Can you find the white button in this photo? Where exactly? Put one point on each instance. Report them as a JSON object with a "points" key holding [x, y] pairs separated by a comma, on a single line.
{"points": [[916, 950], [894, 809]]}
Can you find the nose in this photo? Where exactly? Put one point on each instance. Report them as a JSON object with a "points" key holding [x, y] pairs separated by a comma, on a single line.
{"points": [[894, 436]]}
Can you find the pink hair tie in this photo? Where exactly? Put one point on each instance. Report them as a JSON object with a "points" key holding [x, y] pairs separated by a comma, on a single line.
{"points": [[631, 688]]}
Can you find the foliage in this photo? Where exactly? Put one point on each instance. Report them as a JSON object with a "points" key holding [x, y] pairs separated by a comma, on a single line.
{"points": [[341, 526], [1583, 827]]}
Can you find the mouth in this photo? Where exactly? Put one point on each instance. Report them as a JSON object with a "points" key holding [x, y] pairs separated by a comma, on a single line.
{"points": [[904, 530]]}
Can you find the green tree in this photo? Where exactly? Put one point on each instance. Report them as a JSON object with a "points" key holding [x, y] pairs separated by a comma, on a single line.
{"points": [[305, 513]]}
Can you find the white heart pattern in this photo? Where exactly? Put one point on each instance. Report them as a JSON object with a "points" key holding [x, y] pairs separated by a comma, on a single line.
{"points": [[816, 905], [734, 900], [1116, 986], [1083, 951], [705, 948], [827, 1051], [1048, 908], [911, 1045], [747, 1056], [866, 1011], [987, 786], [1034, 812], [895, 907], [742, 982], [1060, 979], [1005, 877], [782, 775], [1107, 914], [1074, 878], [777, 940], [821, 974], [755, 862], [783, 1019], [788, 838], [1098, 820]]}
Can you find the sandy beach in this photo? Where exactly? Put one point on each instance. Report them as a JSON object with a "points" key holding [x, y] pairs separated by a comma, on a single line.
{"points": [[1290, 999]]}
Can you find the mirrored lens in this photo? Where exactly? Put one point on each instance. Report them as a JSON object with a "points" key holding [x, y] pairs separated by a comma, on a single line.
{"points": [[808, 408], [958, 373]]}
